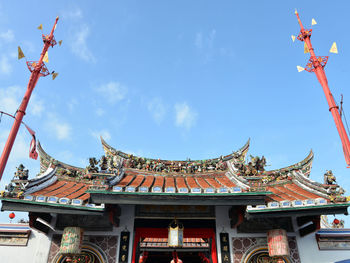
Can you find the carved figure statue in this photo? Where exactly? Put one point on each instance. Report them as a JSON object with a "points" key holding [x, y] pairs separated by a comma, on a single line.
{"points": [[92, 165], [103, 163], [10, 187], [329, 178], [258, 163], [21, 173]]}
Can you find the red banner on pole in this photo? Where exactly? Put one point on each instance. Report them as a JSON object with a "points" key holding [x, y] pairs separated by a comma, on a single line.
{"points": [[32, 148]]}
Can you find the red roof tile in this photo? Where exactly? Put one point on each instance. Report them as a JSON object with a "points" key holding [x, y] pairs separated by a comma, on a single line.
{"points": [[63, 190], [202, 182], [126, 180], [295, 195], [213, 182], [69, 190], [280, 193], [79, 194], [180, 182], [301, 191], [225, 181], [52, 187], [169, 181], [159, 181], [191, 182], [148, 181], [137, 181]]}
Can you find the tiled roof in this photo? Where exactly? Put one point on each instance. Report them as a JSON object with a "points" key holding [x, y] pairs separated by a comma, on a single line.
{"points": [[286, 187], [68, 189]]}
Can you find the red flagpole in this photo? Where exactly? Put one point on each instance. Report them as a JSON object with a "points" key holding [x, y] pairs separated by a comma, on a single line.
{"points": [[316, 64], [37, 69]]}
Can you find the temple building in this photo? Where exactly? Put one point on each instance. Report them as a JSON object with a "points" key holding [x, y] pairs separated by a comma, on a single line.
{"points": [[125, 208]]}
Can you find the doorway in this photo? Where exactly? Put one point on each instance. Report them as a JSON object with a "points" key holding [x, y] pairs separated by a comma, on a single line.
{"points": [[150, 245]]}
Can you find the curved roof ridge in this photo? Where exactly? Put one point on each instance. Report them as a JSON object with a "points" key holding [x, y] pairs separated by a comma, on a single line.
{"points": [[239, 180], [46, 159], [310, 189], [112, 151], [307, 182], [304, 165], [44, 180]]}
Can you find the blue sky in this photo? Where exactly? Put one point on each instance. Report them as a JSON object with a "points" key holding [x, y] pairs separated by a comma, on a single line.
{"points": [[176, 79]]}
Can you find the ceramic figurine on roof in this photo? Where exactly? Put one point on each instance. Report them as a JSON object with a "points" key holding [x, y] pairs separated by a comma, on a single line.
{"points": [[21, 173], [329, 178], [92, 168]]}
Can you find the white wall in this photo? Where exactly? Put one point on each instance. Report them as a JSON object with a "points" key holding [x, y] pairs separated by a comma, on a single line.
{"points": [[38, 247], [126, 223], [36, 251], [309, 252], [307, 245]]}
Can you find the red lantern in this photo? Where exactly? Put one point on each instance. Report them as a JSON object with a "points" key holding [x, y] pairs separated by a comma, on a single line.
{"points": [[336, 221], [12, 215]]}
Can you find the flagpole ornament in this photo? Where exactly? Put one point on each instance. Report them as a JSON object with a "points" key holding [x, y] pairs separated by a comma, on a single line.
{"points": [[37, 69], [46, 57], [317, 64], [300, 69], [20, 53], [334, 48], [54, 75]]}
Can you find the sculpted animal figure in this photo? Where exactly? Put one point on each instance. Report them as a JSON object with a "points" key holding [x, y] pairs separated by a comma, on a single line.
{"points": [[329, 178]]}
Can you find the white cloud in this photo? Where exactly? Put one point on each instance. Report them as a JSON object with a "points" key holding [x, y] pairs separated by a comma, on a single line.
{"points": [[10, 99], [60, 129], [157, 108], [99, 112], [198, 40], [113, 91], [211, 38], [205, 41], [79, 33], [79, 45], [71, 104], [36, 106], [104, 133], [185, 117], [20, 148], [72, 14], [65, 156], [5, 66], [7, 36]]}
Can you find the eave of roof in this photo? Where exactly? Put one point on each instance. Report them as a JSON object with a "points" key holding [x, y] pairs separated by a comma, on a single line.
{"points": [[9, 204], [327, 209], [246, 198]]}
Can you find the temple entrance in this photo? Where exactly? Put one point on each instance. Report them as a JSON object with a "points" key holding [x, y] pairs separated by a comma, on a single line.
{"points": [[150, 245], [167, 257]]}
